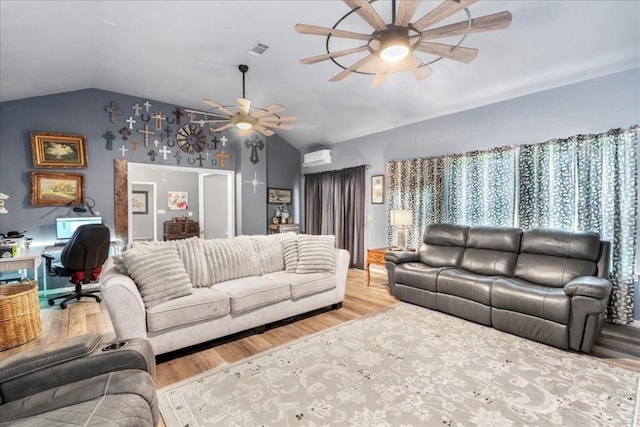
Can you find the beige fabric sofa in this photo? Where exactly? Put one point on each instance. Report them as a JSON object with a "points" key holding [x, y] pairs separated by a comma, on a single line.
{"points": [[233, 285]]}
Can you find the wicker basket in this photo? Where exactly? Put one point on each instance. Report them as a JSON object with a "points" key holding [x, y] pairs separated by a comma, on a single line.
{"points": [[19, 313]]}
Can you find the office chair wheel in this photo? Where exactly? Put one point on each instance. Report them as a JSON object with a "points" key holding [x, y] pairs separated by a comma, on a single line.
{"points": [[51, 302], [98, 299], [63, 306]]}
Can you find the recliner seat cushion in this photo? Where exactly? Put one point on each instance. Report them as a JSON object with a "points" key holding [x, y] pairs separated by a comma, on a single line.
{"points": [[529, 298], [465, 284]]}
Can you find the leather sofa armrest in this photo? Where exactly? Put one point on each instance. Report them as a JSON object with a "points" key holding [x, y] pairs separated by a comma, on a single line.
{"points": [[399, 257], [588, 286], [72, 360]]}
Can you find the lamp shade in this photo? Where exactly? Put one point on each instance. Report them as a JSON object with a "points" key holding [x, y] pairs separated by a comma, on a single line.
{"points": [[401, 217]]}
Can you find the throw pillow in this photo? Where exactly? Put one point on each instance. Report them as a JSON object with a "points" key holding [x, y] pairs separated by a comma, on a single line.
{"points": [[316, 254], [229, 259], [158, 273], [269, 251], [290, 253], [191, 252]]}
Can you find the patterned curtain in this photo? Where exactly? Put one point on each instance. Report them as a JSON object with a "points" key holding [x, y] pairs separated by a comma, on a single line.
{"points": [[587, 182]]}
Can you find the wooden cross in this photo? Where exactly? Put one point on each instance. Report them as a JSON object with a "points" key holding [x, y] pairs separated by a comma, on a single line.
{"points": [[168, 130], [152, 155], [123, 149], [224, 140], [124, 132], [136, 108], [178, 114], [159, 118], [146, 133], [109, 137], [130, 121], [222, 156], [164, 152], [147, 105], [134, 145], [255, 144], [114, 111]]}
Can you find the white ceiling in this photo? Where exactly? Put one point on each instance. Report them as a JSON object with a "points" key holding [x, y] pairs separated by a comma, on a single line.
{"points": [[181, 51]]}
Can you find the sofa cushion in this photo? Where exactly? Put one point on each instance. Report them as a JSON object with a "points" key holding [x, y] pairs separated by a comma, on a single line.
{"points": [[290, 254], [505, 239], [203, 303], [269, 251], [192, 256], [521, 296], [562, 243], [492, 250], [158, 273], [316, 254], [229, 259], [552, 270], [444, 245], [305, 284], [418, 275], [253, 292], [465, 284]]}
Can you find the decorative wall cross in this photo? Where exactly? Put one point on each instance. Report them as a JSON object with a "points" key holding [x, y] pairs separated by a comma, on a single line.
{"points": [[123, 150], [224, 140], [130, 121], [222, 156], [178, 113], [147, 105], [168, 130], [215, 141], [124, 133], [136, 108], [200, 158], [164, 152], [156, 143], [178, 156], [114, 111], [255, 182], [146, 133], [134, 145], [255, 144], [152, 155], [159, 118], [109, 136]]}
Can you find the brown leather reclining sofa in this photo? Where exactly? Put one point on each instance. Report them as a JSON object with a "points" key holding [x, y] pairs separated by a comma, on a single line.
{"points": [[546, 285]]}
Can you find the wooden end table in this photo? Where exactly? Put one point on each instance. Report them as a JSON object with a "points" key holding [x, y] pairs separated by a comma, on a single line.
{"points": [[376, 256]]}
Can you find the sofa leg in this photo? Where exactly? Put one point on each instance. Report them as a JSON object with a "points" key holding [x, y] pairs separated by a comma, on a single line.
{"points": [[336, 306], [260, 329]]}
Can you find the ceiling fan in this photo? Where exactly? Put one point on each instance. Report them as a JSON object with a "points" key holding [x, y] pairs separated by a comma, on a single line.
{"points": [[243, 116], [393, 48]]}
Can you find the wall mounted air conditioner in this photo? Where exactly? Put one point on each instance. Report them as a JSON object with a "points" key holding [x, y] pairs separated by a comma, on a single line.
{"points": [[316, 158]]}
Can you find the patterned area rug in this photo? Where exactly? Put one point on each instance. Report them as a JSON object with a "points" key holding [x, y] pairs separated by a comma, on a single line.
{"points": [[407, 366]]}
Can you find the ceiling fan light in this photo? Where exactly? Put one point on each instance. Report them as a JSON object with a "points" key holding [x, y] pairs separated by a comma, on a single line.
{"points": [[394, 53], [394, 45], [243, 125]]}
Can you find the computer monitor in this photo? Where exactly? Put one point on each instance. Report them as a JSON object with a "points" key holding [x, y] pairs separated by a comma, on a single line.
{"points": [[66, 226]]}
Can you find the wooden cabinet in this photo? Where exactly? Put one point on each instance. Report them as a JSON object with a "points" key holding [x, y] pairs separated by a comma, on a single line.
{"points": [[174, 230], [284, 228]]}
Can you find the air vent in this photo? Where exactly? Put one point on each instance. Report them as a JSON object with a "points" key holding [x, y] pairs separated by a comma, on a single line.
{"points": [[258, 49]]}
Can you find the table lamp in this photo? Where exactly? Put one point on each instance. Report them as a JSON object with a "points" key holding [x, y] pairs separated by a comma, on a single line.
{"points": [[401, 218]]}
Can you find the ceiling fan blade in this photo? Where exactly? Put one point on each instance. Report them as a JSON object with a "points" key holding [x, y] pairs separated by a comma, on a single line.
{"points": [[244, 105], [221, 128], [271, 109], [496, 21], [446, 9], [344, 73], [217, 106], [368, 13], [459, 53], [278, 119], [337, 54], [323, 31], [380, 78], [405, 12], [419, 71], [263, 130], [204, 113]]}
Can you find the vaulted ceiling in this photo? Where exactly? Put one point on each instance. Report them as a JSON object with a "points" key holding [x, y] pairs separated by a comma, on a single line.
{"points": [[181, 51]]}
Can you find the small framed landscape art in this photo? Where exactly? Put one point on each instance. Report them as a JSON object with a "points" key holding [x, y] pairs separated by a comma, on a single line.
{"points": [[279, 195], [139, 202], [56, 189], [58, 150], [377, 189]]}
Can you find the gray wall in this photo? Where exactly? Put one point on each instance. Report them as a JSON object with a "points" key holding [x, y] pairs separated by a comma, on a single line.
{"points": [[592, 106], [284, 175]]}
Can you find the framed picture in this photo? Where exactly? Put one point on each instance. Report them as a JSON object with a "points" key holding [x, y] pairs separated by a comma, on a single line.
{"points": [[278, 195], [56, 189], [58, 150], [178, 200], [139, 202], [377, 189]]}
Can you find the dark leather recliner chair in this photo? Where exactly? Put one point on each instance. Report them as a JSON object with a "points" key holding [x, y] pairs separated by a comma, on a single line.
{"points": [[81, 259]]}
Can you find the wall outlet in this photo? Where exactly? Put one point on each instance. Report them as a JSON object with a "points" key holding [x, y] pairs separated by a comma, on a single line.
{"points": [[190, 213], [161, 212]]}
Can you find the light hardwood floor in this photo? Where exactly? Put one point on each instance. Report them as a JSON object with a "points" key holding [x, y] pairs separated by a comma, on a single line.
{"points": [[619, 345]]}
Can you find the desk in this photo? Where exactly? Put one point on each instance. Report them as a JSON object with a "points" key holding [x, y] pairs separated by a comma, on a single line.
{"points": [[24, 261]]}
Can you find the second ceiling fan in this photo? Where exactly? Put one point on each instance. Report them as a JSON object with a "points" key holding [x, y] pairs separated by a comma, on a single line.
{"points": [[392, 48]]}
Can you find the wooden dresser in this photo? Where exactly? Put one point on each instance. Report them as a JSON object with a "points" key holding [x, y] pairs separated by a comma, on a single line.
{"points": [[174, 230]]}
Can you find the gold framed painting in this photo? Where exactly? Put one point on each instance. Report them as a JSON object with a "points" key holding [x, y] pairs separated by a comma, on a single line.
{"points": [[58, 150], [56, 189]]}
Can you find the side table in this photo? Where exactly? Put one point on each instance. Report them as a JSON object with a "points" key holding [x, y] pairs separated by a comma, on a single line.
{"points": [[376, 256]]}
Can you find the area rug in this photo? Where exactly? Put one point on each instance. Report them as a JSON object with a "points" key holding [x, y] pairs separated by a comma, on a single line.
{"points": [[407, 366]]}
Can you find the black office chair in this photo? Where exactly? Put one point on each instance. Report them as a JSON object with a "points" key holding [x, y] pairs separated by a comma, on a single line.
{"points": [[81, 259]]}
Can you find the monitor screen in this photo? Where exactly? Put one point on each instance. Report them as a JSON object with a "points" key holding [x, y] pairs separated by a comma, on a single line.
{"points": [[66, 226]]}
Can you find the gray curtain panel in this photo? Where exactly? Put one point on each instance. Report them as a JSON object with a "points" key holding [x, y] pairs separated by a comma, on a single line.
{"points": [[585, 182], [334, 204]]}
